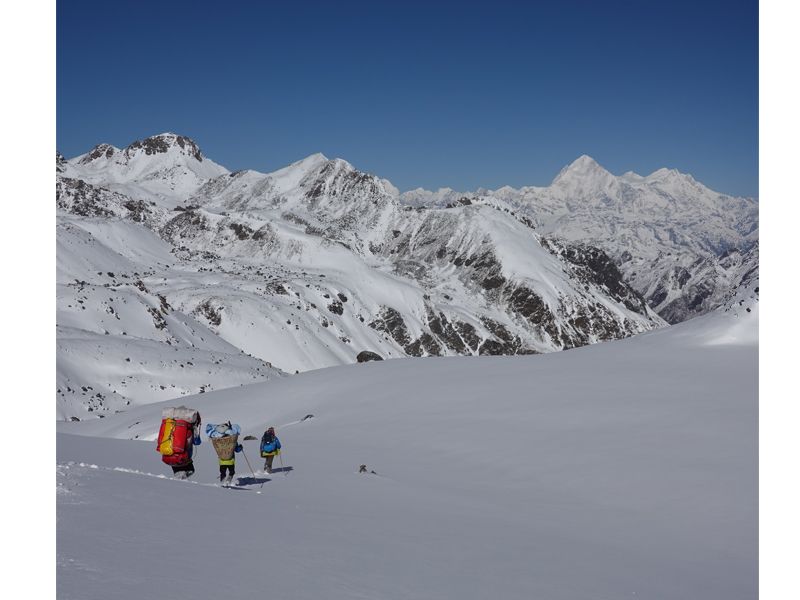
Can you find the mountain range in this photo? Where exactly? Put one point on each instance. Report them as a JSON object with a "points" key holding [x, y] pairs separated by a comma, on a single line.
{"points": [[177, 276]]}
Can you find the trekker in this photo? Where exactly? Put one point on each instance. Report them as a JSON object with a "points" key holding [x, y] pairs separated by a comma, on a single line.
{"points": [[270, 448], [225, 438], [179, 433]]}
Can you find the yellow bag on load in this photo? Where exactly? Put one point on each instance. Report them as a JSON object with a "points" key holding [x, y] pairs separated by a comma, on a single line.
{"points": [[165, 437]]}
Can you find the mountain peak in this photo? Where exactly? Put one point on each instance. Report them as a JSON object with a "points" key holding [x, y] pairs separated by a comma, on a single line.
{"points": [[164, 142], [584, 161], [583, 169], [99, 151], [317, 157], [672, 176]]}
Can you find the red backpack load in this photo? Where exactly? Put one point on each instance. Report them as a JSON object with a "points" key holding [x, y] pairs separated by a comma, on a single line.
{"points": [[178, 428]]}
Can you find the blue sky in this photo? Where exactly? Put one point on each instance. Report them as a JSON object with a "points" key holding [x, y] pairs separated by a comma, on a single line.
{"points": [[428, 94]]}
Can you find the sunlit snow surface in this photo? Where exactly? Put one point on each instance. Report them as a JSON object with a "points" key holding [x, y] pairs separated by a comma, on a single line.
{"points": [[622, 470]]}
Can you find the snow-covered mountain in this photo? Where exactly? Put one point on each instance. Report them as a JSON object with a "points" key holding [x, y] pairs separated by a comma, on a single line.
{"points": [[670, 235], [162, 168], [312, 265]]}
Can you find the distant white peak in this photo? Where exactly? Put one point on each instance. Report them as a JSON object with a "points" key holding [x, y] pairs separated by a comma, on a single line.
{"points": [[663, 173], [101, 151], [582, 168], [631, 176], [670, 176], [163, 143], [311, 161], [506, 189], [302, 167]]}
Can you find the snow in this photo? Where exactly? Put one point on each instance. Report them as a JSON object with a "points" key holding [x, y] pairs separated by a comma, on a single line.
{"points": [[621, 470]]}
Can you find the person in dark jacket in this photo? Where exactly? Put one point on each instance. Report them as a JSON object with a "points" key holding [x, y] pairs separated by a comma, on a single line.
{"points": [[270, 448]]}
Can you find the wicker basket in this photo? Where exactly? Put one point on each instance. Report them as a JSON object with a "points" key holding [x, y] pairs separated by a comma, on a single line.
{"points": [[225, 446]]}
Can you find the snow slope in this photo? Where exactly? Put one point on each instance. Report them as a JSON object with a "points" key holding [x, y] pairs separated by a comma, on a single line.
{"points": [[625, 469]]}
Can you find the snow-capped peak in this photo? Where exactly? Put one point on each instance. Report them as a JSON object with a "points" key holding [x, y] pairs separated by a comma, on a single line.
{"points": [[159, 168], [164, 142], [583, 167], [583, 177], [99, 152], [665, 174], [312, 160], [631, 176]]}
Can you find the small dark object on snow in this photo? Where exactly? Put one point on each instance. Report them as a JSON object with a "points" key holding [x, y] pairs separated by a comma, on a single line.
{"points": [[306, 418], [363, 469], [248, 438], [366, 356]]}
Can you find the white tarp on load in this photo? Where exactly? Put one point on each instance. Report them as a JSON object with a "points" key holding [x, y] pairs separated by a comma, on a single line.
{"points": [[182, 413]]}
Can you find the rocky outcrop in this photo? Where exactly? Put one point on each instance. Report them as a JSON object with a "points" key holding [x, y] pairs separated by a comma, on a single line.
{"points": [[158, 144], [83, 199], [367, 356]]}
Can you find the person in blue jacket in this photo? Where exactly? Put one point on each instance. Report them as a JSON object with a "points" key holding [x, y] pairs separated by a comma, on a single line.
{"points": [[270, 448]]}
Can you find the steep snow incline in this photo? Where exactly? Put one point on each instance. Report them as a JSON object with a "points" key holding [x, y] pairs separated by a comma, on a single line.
{"points": [[625, 469]]}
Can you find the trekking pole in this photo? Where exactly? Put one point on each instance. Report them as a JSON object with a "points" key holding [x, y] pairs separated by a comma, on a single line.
{"points": [[251, 468], [248, 464], [285, 472]]}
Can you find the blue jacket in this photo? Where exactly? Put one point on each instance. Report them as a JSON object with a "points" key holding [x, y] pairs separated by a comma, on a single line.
{"points": [[270, 446]]}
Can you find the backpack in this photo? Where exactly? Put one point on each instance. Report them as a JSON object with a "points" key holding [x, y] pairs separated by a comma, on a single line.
{"points": [[270, 446], [175, 435]]}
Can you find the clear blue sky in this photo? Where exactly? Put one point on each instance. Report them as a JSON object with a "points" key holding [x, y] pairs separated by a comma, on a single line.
{"points": [[428, 94]]}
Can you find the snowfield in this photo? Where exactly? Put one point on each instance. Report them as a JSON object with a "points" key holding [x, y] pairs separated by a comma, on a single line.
{"points": [[626, 469]]}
